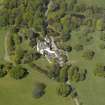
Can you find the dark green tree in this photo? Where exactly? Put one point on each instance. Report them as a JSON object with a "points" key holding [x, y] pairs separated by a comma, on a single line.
{"points": [[100, 70], [63, 74], [39, 90], [3, 71], [18, 72], [64, 90], [54, 72]]}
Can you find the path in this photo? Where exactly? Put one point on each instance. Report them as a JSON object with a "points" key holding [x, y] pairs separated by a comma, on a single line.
{"points": [[76, 101], [6, 57]]}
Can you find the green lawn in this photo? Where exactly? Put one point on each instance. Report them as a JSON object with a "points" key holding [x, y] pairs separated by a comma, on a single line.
{"points": [[16, 92], [91, 91]]}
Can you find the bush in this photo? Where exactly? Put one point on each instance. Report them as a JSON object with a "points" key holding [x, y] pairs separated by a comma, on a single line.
{"points": [[30, 56], [18, 72], [88, 54], [64, 57], [3, 72], [74, 74], [8, 66], [63, 74], [54, 72], [100, 70], [39, 90], [66, 36], [67, 48], [99, 24], [64, 90], [36, 56], [19, 53]]}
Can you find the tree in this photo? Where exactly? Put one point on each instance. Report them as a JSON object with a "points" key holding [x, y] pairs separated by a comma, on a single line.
{"points": [[8, 66], [70, 4], [4, 17], [74, 74], [67, 48], [54, 72], [99, 24], [65, 21], [28, 17], [64, 57], [18, 72], [10, 44], [100, 70], [39, 90], [19, 53], [64, 90], [3, 71], [2, 21], [63, 73], [36, 55], [66, 36]]}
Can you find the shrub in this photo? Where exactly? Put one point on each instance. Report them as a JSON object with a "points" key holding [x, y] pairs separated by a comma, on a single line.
{"points": [[74, 74], [18, 72], [99, 24], [67, 48], [64, 90], [39, 90], [64, 57], [8, 66], [63, 74], [30, 56], [36, 55], [19, 53], [3, 72], [66, 36], [100, 70], [54, 72]]}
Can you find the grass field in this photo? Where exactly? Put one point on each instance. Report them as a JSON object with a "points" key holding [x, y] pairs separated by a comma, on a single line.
{"points": [[14, 92], [91, 91]]}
